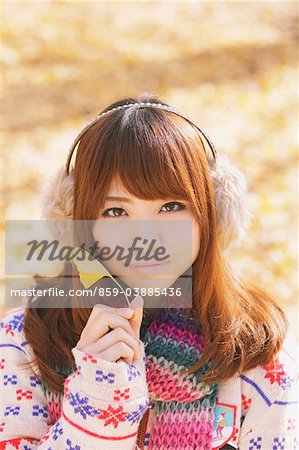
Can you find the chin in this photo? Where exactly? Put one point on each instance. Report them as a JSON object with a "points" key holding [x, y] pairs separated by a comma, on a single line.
{"points": [[158, 283]]}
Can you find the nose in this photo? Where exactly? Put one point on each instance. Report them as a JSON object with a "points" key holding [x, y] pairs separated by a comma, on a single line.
{"points": [[149, 233]]}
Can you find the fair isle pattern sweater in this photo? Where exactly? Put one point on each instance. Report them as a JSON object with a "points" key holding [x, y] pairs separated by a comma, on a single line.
{"points": [[106, 404]]}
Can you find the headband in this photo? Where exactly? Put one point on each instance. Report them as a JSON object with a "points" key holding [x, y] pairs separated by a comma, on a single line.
{"points": [[130, 105], [230, 185]]}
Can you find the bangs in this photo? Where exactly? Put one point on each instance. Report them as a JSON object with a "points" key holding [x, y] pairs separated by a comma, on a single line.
{"points": [[148, 151]]}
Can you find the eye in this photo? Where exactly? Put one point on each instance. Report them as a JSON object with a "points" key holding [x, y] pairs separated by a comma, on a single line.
{"points": [[106, 212], [172, 204], [117, 212]]}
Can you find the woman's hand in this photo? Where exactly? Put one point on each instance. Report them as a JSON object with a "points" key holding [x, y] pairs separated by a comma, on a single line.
{"points": [[113, 333]]}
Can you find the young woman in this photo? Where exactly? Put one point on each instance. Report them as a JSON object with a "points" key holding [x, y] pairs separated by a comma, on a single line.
{"points": [[216, 372]]}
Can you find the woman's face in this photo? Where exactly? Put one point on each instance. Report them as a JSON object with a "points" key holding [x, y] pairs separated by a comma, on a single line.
{"points": [[152, 224]]}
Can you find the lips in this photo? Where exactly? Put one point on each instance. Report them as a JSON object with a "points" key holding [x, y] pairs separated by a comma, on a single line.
{"points": [[148, 268], [145, 266]]}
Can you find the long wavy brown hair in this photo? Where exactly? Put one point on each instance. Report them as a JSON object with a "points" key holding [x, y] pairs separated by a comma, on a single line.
{"points": [[157, 154]]}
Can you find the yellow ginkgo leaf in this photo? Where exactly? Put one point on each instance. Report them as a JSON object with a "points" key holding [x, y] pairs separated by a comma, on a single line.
{"points": [[90, 271]]}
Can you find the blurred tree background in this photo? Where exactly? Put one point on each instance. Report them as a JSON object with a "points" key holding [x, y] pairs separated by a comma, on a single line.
{"points": [[232, 66]]}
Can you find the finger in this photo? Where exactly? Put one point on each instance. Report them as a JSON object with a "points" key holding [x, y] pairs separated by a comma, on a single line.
{"points": [[116, 335], [135, 322], [124, 312], [98, 328], [116, 351]]}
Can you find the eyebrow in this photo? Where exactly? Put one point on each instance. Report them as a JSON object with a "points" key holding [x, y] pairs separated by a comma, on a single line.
{"points": [[124, 199], [119, 199]]}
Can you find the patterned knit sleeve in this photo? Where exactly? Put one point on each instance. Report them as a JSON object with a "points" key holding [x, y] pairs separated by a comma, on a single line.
{"points": [[102, 406], [270, 403]]}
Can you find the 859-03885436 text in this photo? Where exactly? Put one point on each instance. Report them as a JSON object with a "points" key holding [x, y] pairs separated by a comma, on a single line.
{"points": [[96, 291]]}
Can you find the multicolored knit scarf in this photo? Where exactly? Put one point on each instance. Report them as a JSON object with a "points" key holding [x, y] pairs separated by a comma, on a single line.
{"points": [[185, 405]]}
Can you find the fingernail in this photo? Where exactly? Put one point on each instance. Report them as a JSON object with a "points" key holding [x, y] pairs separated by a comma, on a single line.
{"points": [[137, 302]]}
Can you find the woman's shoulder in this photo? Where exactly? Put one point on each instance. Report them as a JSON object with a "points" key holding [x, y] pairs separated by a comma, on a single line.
{"points": [[274, 383], [277, 376], [12, 322], [12, 330], [276, 379]]}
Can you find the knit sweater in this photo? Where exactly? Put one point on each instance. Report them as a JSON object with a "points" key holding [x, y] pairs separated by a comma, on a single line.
{"points": [[105, 405]]}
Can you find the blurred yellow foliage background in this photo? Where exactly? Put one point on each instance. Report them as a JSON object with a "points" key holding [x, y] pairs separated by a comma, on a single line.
{"points": [[232, 66]]}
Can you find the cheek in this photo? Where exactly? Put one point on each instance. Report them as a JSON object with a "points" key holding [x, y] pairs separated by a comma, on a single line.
{"points": [[101, 234], [195, 240], [183, 242]]}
